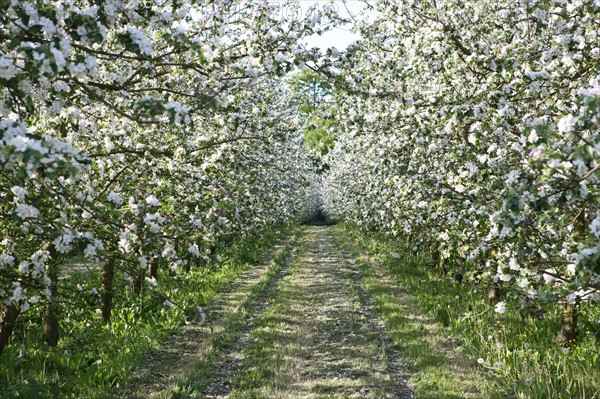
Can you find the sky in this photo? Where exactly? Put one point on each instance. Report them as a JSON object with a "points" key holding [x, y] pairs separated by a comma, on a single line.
{"points": [[341, 36]]}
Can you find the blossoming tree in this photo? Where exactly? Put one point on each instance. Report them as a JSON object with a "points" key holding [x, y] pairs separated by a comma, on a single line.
{"points": [[140, 136], [472, 128]]}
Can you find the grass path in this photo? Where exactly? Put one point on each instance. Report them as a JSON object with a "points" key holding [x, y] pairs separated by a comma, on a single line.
{"points": [[318, 337], [310, 324]]}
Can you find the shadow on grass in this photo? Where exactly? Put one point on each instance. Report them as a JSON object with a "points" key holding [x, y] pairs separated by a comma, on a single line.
{"points": [[438, 368]]}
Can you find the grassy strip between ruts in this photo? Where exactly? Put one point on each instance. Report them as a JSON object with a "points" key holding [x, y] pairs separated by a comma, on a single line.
{"points": [[94, 358], [438, 367], [193, 375]]}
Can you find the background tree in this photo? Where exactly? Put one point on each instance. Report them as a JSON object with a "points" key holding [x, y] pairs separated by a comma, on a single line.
{"points": [[312, 92]]}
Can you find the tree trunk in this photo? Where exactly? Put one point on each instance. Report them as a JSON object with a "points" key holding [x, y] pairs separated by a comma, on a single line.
{"points": [[568, 322], [568, 327], [8, 319], [438, 261], [108, 275], [187, 264], [153, 269], [137, 283], [494, 293], [51, 332], [442, 267]]}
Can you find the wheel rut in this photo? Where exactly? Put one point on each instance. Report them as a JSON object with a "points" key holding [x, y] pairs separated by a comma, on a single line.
{"points": [[229, 359], [166, 371]]}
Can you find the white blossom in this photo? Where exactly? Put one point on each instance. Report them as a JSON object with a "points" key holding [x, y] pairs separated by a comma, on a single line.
{"points": [[500, 307], [567, 124], [140, 40], [193, 249], [19, 192], [152, 200], [595, 227], [27, 211], [115, 198]]}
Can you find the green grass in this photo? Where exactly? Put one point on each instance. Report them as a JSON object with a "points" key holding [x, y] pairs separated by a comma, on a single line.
{"points": [[518, 356], [438, 368], [93, 358]]}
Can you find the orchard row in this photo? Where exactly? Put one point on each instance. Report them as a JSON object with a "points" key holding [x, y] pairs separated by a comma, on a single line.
{"points": [[471, 129], [140, 135]]}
